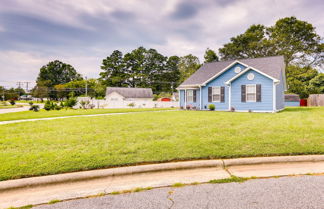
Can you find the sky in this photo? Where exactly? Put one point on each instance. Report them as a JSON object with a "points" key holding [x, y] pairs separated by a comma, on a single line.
{"points": [[84, 32]]}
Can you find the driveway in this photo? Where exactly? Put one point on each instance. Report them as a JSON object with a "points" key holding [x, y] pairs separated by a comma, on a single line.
{"points": [[19, 109], [275, 193]]}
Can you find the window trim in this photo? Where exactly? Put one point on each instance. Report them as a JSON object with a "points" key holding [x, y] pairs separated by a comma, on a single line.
{"points": [[188, 96], [246, 92], [220, 93]]}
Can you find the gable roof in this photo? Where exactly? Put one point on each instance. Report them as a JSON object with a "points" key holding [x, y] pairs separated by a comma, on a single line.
{"points": [[131, 92], [272, 66]]}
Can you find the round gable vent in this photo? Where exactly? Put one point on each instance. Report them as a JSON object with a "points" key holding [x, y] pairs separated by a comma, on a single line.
{"points": [[250, 76], [237, 70]]}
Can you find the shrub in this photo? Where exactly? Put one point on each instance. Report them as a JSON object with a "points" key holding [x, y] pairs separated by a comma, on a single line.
{"points": [[131, 104], [71, 102], [57, 107], [34, 108], [30, 103], [12, 102], [211, 107], [48, 105]]}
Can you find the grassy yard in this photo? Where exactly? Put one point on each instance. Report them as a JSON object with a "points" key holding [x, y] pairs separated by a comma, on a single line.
{"points": [[63, 145], [68, 112], [8, 106]]}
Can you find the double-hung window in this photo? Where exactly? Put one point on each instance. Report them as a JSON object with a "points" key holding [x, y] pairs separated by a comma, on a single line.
{"points": [[251, 93], [190, 95], [216, 94]]}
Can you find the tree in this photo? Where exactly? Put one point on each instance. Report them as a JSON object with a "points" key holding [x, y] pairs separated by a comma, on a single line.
{"points": [[188, 65], [141, 67], [296, 40], [298, 79], [252, 43], [210, 56], [57, 72], [114, 70], [316, 85]]}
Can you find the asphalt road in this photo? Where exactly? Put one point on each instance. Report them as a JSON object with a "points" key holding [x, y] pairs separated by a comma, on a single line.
{"points": [[298, 192]]}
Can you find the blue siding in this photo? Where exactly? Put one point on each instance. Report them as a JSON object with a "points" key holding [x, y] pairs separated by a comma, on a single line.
{"points": [[280, 96], [194, 104], [220, 81], [266, 93], [292, 104]]}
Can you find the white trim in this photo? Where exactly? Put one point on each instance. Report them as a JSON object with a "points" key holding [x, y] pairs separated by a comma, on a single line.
{"points": [[246, 93], [226, 68], [185, 99], [220, 94], [274, 98], [251, 68], [187, 88], [229, 97], [200, 95]]}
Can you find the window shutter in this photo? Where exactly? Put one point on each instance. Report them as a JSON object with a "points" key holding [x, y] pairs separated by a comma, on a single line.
{"points": [[243, 93], [258, 92], [194, 95], [222, 94], [209, 94]]}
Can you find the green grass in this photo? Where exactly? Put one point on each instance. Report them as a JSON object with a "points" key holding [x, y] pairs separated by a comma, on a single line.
{"points": [[9, 106], [74, 144], [228, 180], [68, 112]]}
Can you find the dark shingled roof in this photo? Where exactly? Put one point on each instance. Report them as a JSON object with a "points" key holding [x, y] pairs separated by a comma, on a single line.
{"points": [[291, 98], [131, 92], [272, 66]]}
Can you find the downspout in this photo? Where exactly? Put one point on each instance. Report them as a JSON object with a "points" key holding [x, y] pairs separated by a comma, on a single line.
{"points": [[229, 96], [185, 99]]}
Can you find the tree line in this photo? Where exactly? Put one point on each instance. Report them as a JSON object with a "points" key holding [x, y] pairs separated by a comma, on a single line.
{"points": [[296, 40]]}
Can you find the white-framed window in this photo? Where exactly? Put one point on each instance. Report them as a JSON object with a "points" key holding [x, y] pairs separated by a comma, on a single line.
{"points": [[251, 93], [216, 94], [190, 95]]}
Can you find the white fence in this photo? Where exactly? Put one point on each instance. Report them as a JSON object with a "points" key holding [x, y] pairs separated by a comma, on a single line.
{"points": [[126, 104]]}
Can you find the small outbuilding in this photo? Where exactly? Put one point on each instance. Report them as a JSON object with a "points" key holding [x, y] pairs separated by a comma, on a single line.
{"points": [[128, 94], [292, 100]]}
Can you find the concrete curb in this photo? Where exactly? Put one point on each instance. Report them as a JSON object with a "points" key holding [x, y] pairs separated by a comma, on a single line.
{"points": [[110, 172]]}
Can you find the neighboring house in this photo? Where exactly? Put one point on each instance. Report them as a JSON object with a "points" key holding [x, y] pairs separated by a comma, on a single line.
{"points": [[242, 85], [292, 100], [128, 94]]}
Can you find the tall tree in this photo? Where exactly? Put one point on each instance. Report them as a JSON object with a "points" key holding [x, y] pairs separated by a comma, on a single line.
{"points": [[114, 70], [188, 65], [210, 56], [57, 72], [141, 68], [316, 85], [251, 44], [296, 40]]}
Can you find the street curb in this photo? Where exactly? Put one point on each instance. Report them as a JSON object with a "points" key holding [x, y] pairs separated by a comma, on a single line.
{"points": [[120, 171]]}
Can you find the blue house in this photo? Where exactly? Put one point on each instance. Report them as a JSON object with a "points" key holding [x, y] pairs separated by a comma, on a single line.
{"points": [[256, 85]]}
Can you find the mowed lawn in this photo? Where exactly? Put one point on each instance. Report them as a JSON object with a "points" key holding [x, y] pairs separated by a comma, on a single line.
{"points": [[64, 145], [69, 112]]}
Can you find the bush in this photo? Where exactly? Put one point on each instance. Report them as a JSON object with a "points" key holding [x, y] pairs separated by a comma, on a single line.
{"points": [[57, 107], [211, 107], [12, 102], [131, 104], [30, 103], [71, 102], [48, 105], [34, 108]]}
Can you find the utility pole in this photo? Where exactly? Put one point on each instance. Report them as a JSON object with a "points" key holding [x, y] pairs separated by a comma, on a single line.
{"points": [[19, 83], [27, 85], [86, 87]]}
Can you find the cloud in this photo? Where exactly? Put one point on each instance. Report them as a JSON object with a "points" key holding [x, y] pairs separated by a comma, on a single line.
{"points": [[82, 33]]}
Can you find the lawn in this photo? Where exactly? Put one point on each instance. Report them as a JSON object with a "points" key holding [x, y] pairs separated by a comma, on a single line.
{"points": [[8, 106], [64, 145], [69, 112]]}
